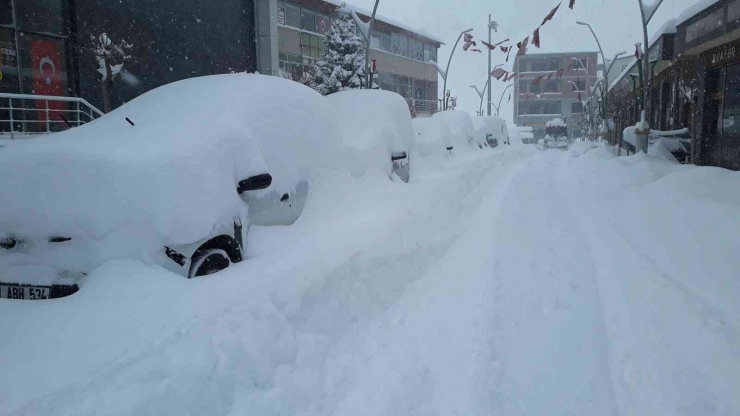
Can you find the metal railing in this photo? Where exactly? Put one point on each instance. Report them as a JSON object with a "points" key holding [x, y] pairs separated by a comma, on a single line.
{"points": [[423, 106], [27, 114]]}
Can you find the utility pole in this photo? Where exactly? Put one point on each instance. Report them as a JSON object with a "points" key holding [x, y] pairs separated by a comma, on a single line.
{"points": [[492, 24]]}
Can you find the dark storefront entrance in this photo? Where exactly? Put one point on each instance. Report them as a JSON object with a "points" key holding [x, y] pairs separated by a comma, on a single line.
{"points": [[722, 112]]}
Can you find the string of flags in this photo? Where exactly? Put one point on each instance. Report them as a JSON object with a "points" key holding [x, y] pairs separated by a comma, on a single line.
{"points": [[503, 75]]}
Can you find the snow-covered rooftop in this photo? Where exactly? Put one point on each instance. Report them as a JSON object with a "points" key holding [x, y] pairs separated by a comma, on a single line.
{"points": [[360, 10]]}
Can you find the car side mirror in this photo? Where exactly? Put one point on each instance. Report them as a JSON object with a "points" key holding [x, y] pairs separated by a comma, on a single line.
{"points": [[284, 198], [254, 183]]}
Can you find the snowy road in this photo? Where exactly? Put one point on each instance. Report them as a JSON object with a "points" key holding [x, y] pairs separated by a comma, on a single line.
{"points": [[505, 282]]}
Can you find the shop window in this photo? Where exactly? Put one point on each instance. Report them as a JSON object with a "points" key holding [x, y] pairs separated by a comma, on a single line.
{"points": [[551, 107], [6, 17], [576, 108], [8, 63], [292, 16], [399, 44], [731, 112], [40, 16], [706, 25], [416, 49], [308, 21], [535, 107]]}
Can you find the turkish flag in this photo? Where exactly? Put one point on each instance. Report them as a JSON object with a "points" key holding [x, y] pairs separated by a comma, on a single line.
{"points": [[488, 45], [47, 69], [523, 46], [536, 38], [551, 14], [498, 73], [510, 77], [572, 3]]}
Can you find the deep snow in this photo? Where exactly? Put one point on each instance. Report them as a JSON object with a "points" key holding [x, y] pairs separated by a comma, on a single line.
{"points": [[508, 281]]}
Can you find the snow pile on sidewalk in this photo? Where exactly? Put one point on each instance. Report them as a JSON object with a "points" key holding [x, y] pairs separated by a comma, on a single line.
{"points": [[374, 125]]}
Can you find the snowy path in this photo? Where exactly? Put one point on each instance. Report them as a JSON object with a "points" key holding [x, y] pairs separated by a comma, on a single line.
{"points": [[495, 283]]}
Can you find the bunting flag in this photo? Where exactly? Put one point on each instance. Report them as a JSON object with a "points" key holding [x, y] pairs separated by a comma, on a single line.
{"points": [[523, 46], [560, 73], [638, 50], [505, 40], [467, 45], [488, 45], [536, 38], [549, 76], [468, 38], [498, 73], [572, 3], [537, 80], [476, 50], [512, 76], [551, 14], [505, 49], [579, 96], [508, 53]]}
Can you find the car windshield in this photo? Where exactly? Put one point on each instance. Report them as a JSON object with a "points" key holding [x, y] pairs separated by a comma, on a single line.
{"points": [[381, 207]]}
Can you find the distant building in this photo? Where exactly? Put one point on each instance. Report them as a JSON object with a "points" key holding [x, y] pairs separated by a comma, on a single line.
{"points": [[548, 85]]}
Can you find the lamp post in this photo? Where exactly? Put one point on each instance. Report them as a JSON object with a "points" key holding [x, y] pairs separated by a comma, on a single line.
{"points": [[492, 24], [445, 72], [646, 15], [480, 94], [498, 109]]}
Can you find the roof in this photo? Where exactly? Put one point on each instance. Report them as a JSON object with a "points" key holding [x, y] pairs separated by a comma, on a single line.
{"points": [[386, 20], [692, 11]]}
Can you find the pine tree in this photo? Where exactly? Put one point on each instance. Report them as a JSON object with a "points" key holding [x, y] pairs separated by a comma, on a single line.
{"points": [[343, 61]]}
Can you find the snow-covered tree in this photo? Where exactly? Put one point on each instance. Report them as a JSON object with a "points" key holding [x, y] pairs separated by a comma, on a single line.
{"points": [[343, 61], [307, 77], [110, 57]]}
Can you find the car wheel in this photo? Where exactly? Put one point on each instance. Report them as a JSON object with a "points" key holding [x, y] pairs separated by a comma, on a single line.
{"points": [[208, 262]]}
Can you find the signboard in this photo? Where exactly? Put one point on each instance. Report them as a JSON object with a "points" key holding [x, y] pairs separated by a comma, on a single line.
{"points": [[543, 124], [724, 55]]}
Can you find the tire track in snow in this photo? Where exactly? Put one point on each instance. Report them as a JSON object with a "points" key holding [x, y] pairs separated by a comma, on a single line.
{"points": [[549, 329]]}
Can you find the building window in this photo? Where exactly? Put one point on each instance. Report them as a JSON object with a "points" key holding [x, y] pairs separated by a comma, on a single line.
{"points": [[535, 88], [551, 107], [292, 16], [705, 25], [291, 64], [399, 44], [731, 111], [578, 86], [733, 11], [45, 16], [308, 21], [323, 24], [551, 86], [416, 49], [543, 65], [6, 18], [311, 45], [576, 108]]}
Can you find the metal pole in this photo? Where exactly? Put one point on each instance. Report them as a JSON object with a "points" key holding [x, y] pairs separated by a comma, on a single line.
{"points": [[498, 109], [12, 122], [447, 69], [368, 85], [48, 130], [489, 65], [606, 75]]}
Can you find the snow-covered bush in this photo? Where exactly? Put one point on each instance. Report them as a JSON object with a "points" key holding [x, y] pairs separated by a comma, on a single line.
{"points": [[110, 57], [374, 126], [342, 65]]}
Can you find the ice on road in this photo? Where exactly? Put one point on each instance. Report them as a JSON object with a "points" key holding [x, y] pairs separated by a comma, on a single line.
{"points": [[508, 282]]}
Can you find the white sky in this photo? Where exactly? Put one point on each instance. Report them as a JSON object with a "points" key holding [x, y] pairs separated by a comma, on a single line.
{"points": [[616, 22]]}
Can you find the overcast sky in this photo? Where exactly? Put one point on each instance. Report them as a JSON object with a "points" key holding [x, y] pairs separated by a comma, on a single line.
{"points": [[616, 22]]}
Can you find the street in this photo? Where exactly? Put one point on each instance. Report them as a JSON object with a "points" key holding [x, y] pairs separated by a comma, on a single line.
{"points": [[509, 282]]}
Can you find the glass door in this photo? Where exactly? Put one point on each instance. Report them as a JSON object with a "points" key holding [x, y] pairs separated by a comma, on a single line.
{"points": [[730, 138]]}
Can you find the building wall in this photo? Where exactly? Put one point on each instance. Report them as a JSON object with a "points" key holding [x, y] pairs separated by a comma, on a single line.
{"points": [[534, 105]]}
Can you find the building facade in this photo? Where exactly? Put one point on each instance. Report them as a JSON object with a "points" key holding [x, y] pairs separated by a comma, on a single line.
{"points": [[548, 86], [45, 45]]}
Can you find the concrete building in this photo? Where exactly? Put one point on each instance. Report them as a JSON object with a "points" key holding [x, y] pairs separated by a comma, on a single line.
{"points": [[45, 45], [548, 86]]}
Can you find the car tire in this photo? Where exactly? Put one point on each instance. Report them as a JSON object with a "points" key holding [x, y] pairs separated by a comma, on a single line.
{"points": [[207, 262]]}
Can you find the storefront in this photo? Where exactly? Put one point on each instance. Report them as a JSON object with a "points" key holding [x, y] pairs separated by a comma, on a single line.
{"points": [[710, 43]]}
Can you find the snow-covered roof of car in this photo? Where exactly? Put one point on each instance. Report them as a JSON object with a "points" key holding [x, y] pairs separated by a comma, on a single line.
{"points": [[556, 122], [175, 171]]}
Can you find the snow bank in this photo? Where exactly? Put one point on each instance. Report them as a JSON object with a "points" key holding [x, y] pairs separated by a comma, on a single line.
{"points": [[462, 137], [374, 125], [124, 191]]}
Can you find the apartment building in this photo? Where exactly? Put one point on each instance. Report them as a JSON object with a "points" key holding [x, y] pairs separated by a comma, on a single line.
{"points": [[548, 87], [400, 54]]}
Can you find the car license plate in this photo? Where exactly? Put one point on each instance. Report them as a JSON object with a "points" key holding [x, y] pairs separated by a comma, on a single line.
{"points": [[24, 292]]}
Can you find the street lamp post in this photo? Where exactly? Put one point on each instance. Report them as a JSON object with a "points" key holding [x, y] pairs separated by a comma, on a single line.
{"points": [[481, 94], [603, 58], [447, 69], [492, 24], [498, 109], [366, 29], [646, 15]]}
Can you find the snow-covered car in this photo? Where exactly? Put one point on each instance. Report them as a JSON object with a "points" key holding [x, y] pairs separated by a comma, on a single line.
{"points": [[491, 129], [556, 135], [376, 129], [432, 137], [462, 136], [174, 177]]}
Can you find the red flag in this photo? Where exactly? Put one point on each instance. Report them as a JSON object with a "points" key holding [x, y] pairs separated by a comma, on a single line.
{"points": [[551, 14], [505, 49], [476, 50], [549, 77], [510, 77], [638, 50], [537, 80], [523, 46], [498, 73], [536, 38], [467, 45], [572, 3], [505, 40], [560, 73], [488, 45], [468, 38], [579, 96]]}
